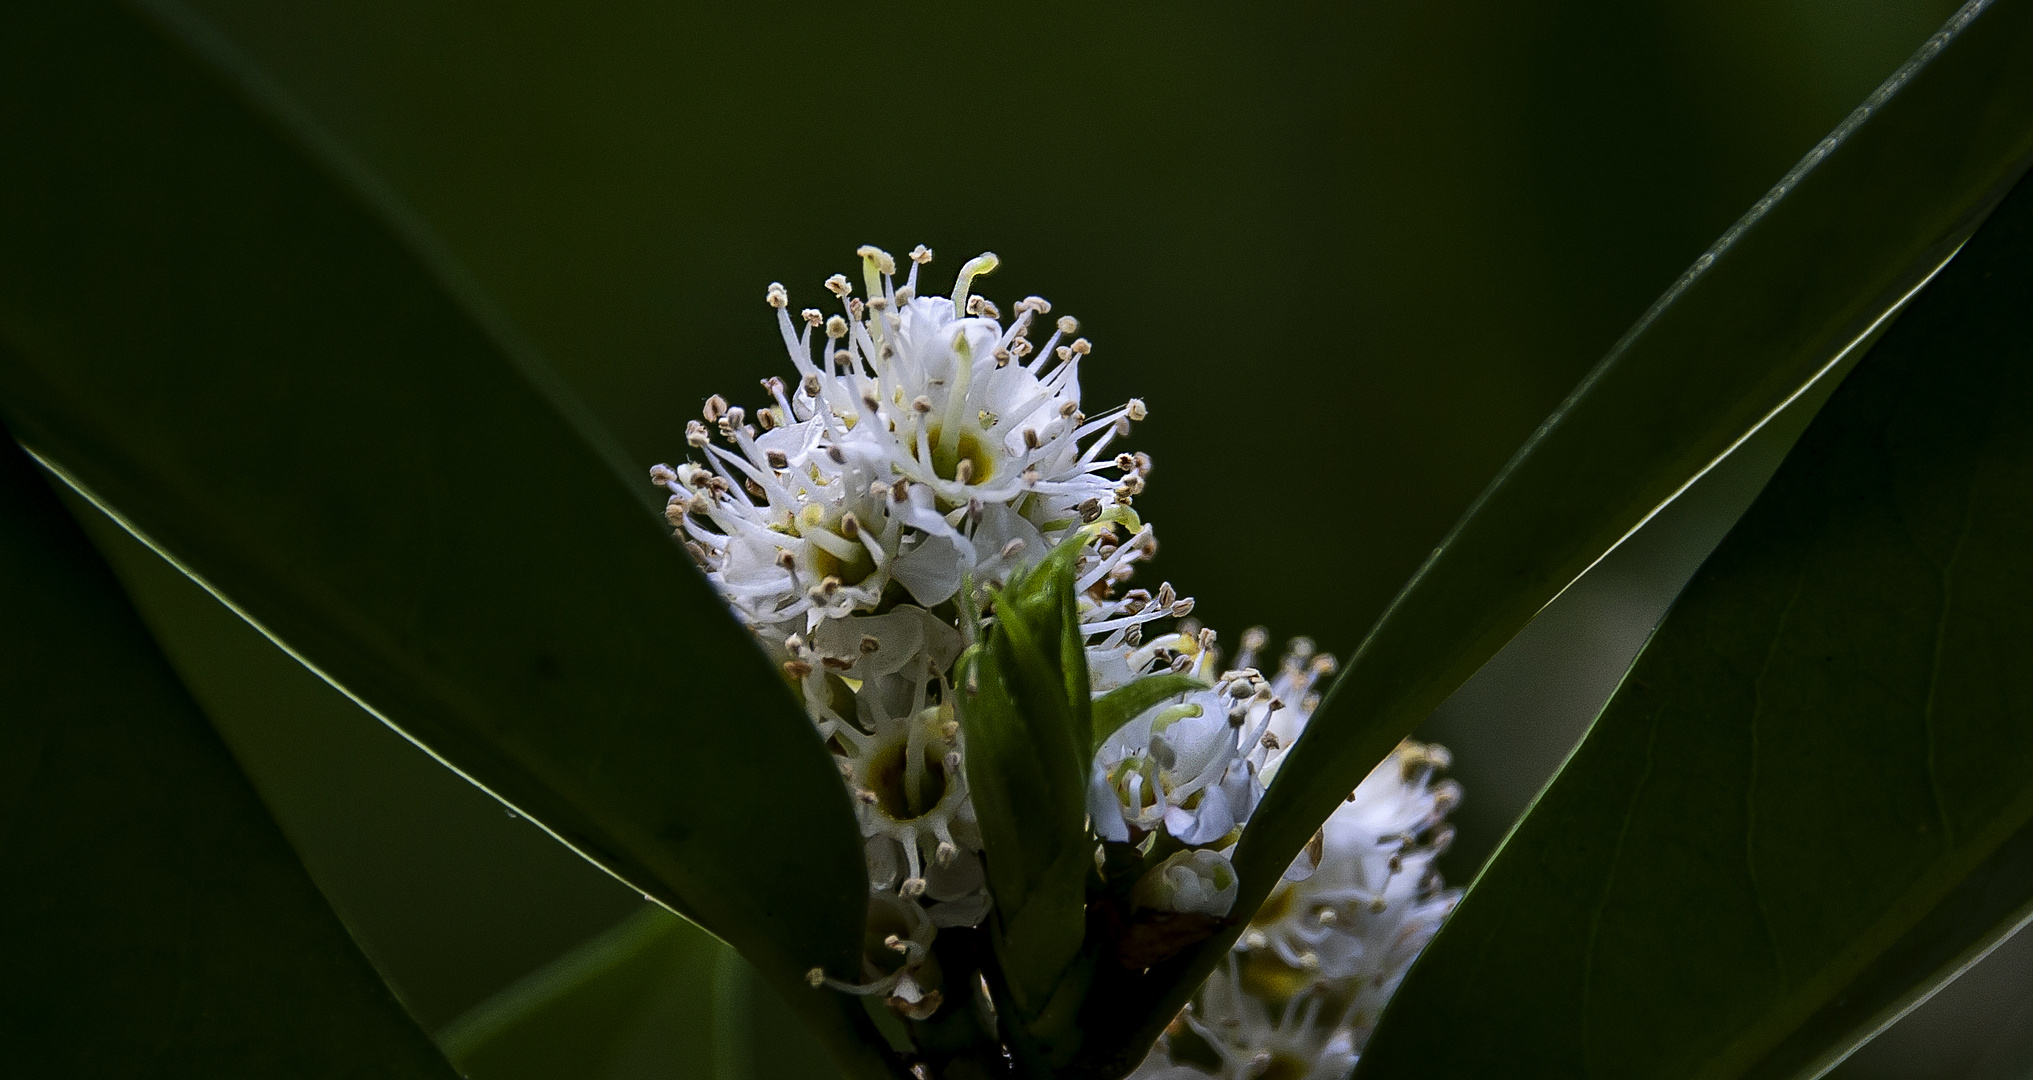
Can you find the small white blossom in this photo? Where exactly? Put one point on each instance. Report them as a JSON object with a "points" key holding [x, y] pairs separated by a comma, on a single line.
{"points": [[1195, 882], [1309, 977]]}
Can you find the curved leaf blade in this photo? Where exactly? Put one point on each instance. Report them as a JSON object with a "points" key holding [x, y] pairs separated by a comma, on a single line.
{"points": [[1812, 798], [213, 331], [1824, 258], [1816, 267], [157, 920]]}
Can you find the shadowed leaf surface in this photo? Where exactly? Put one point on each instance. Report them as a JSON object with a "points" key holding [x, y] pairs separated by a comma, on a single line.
{"points": [[1811, 269], [1811, 797], [215, 331], [158, 924]]}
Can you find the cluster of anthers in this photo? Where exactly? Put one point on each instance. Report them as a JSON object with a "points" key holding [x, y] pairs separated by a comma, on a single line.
{"points": [[924, 452], [923, 447], [1302, 989]]}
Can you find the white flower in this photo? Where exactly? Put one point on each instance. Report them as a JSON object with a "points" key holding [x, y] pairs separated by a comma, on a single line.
{"points": [[1311, 974], [922, 446], [1196, 882], [1188, 766], [1239, 1036]]}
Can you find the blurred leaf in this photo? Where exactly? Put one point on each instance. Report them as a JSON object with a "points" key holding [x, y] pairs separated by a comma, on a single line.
{"points": [[637, 1000], [1813, 268], [157, 921], [652, 998], [214, 333], [1812, 798]]}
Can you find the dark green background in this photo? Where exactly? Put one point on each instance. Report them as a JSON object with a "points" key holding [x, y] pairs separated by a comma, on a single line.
{"points": [[1349, 253]]}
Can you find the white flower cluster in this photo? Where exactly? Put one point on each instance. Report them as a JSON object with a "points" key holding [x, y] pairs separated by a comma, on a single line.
{"points": [[924, 452], [923, 448], [1304, 986]]}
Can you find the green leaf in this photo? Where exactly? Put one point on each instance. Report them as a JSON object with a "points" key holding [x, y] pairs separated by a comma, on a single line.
{"points": [[1125, 703], [1813, 269], [653, 996], [220, 329], [1025, 712], [157, 921], [1812, 797]]}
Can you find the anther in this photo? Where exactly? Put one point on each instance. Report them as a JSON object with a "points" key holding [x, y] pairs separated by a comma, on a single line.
{"points": [[661, 475], [1137, 412], [964, 472], [1063, 353], [921, 254], [1081, 346], [869, 644], [1031, 439], [797, 669], [946, 853], [1068, 324], [810, 385], [695, 434], [1010, 550], [777, 460], [882, 259], [716, 407], [913, 887], [921, 403], [777, 296], [850, 526], [816, 978], [1068, 408], [836, 327], [838, 285], [812, 316], [836, 455]]}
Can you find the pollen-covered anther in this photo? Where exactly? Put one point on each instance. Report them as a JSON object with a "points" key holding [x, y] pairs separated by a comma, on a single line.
{"points": [[921, 404], [1030, 475], [777, 460], [1001, 357], [1012, 549], [1063, 353], [1137, 411], [715, 408], [661, 475], [836, 455], [777, 296], [1021, 348], [816, 977], [1068, 324], [1081, 346], [1069, 409], [787, 560], [837, 663], [696, 435], [797, 669], [838, 285], [1032, 441], [921, 254], [812, 316], [850, 526], [836, 328], [912, 888], [946, 853], [810, 385], [869, 645], [963, 473]]}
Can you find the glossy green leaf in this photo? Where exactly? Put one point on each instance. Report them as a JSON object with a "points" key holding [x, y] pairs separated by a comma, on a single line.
{"points": [[1812, 797], [157, 922], [1125, 703], [1812, 269], [219, 329], [1025, 712], [653, 997]]}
